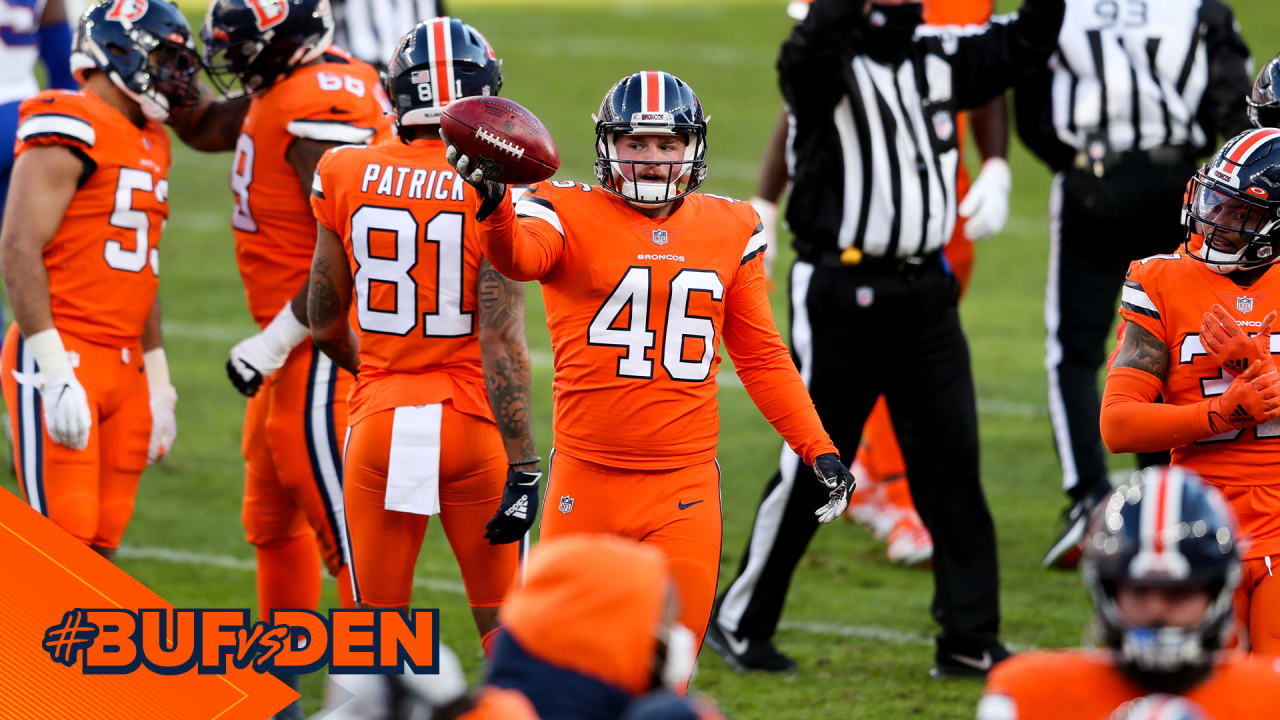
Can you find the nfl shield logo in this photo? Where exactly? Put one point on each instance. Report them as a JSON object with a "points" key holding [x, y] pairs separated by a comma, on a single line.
{"points": [[659, 237], [566, 504], [865, 296], [1244, 304]]}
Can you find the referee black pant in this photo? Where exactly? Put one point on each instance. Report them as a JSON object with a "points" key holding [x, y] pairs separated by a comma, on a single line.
{"points": [[1095, 230], [856, 333]]}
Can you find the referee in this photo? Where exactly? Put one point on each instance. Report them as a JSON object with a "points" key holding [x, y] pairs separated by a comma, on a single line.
{"points": [[873, 302], [370, 29], [1136, 91]]}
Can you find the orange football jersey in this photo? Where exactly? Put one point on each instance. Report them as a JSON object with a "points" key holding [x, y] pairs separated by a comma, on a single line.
{"points": [[957, 12], [1085, 685], [339, 100], [1168, 296], [103, 262], [637, 309], [405, 219]]}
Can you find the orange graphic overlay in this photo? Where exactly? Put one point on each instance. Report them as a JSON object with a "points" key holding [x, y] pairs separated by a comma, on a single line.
{"points": [[52, 574]]}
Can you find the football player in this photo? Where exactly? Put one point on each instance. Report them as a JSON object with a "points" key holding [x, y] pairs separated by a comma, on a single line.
{"points": [[1186, 338], [1161, 559], [643, 278], [300, 97], [83, 368], [580, 639], [435, 325], [1264, 99]]}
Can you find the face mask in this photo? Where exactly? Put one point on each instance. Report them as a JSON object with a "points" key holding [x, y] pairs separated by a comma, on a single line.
{"points": [[892, 27]]}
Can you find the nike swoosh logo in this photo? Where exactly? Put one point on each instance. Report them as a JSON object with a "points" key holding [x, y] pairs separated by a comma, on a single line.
{"points": [[335, 110], [983, 663], [737, 646], [684, 506]]}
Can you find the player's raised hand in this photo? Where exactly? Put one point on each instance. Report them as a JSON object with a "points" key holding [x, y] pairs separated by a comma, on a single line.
{"points": [[491, 192], [1232, 348], [838, 480], [1252, 398], [518, 510]]}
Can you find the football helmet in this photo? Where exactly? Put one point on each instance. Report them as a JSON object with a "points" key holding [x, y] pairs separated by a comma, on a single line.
{"points": [[1167, 528], [146, 49], [435, 63], [1264, 99], [1232, 214], [256, 42], [651, 103]]}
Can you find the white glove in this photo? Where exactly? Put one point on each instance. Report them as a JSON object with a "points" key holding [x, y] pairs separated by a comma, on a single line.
{"points": [[164, 403], [768, 212], [986, 205], [66, 406], [254, 358]]}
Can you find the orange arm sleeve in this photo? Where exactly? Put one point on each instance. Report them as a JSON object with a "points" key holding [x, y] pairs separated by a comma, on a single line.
{"points": [[520, 248], [1132, 421], [764, 364]]}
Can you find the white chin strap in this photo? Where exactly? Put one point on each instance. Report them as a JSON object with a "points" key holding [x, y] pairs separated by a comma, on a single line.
{"points": [[649, 193], [1222, 262]]}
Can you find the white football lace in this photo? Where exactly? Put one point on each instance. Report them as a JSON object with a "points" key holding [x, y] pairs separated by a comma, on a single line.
{"points": [[500, 143]]}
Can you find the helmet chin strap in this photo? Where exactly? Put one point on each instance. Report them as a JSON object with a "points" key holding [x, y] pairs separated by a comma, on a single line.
{"points": [[153, 104]]}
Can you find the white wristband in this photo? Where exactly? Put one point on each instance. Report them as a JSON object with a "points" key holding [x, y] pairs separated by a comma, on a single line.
{"points": [[285, 332], [51, 357], [157, 370]]}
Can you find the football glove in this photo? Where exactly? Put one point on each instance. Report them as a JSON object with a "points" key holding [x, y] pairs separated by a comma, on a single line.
{"points": [[986, 205], [1252, 398], [164, 402], [1229, 347], [490, 192], [518, 510], [839, 481], [66, 406], [256, 357]]}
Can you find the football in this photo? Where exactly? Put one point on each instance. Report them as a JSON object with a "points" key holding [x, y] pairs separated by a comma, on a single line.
{"points": [[499, 136]]}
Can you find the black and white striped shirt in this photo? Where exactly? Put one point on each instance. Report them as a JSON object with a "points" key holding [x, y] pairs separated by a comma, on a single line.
{"points": [[370, 29], [873, 145], [1137, 75]]}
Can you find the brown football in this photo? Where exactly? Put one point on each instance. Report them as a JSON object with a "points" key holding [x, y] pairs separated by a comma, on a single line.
{"points": [[507, 141]]}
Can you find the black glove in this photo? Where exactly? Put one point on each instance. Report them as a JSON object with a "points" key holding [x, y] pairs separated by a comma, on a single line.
{"points": [[518, 510], [490, 192], [836, 477]]}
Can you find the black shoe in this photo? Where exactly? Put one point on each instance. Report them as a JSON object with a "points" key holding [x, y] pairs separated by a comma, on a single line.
{"points": [[967, 664], [1065, 552], [746, 654]]}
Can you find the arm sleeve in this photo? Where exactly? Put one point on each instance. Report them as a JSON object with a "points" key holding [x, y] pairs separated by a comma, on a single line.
{"points": [[1033, 112], [55, 53], [1222, 108], [985, 63], [525, 246], [1132, 420], [811, 60], [765, 366]]}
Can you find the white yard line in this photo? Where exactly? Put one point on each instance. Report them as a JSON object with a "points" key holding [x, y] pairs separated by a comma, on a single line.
{"points": [[453, 587]]}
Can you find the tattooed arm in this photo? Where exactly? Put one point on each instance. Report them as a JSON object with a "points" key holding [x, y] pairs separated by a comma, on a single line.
{"points": [[1133, 421], [505, 356], [1141, 350], [329, 300]]}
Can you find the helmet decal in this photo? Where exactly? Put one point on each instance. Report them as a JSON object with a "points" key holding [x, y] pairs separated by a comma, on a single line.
{"points": [[127, 10], [440, 45], [269, 13]]}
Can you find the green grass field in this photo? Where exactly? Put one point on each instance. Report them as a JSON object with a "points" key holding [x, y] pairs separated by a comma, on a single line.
{"points": [[859, 627]]}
